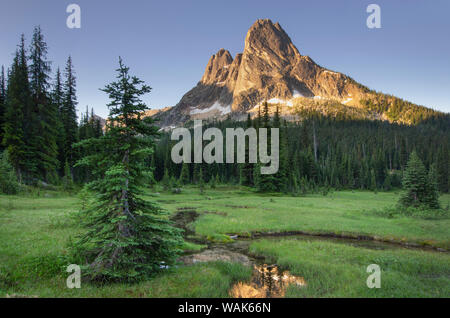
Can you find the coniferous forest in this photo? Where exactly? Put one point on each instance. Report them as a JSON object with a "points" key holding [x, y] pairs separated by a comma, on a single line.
{"points": [[38, 116], [104, 195], [320, 153]]}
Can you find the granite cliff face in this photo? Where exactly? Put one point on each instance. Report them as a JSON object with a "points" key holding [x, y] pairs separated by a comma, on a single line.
{"points": [[270, 69]]}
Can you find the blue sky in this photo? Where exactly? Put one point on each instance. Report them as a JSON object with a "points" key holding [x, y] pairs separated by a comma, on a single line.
{"points": [[168, 43]]}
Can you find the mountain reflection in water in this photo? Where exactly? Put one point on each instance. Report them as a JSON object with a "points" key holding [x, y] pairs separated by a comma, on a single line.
{"points": [[267, 282]]}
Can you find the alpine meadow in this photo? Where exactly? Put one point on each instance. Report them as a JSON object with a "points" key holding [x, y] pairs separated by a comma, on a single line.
{"points": [[271, 176]]}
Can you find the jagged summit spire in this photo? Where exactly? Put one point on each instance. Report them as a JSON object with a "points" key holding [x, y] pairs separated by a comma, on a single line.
{"points": [[217, 67], [270, 68], [267, 35]]}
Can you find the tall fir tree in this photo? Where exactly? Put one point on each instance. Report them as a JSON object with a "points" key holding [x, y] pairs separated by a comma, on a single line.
{"points": [[17, 104], [45, 112], [281, 177], [246, 173], [257, 121], [69, 113], [432, 195], [442, 167], [2, 105], [57, 100], [30, 121], [265, 115], [128, 238], [265, 182]]}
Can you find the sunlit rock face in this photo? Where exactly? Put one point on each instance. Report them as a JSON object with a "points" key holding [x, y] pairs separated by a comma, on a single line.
{"points": [[269, 68], [267, 282]]}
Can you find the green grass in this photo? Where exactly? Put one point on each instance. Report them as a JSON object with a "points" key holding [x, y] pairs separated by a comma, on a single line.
{"points": [[35, 230], [241, 211], [192, 247], [338, 270], [33, 236], [199, 280]]}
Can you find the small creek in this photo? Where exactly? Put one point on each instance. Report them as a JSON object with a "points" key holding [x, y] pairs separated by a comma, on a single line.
{"points": [[268, 280]]}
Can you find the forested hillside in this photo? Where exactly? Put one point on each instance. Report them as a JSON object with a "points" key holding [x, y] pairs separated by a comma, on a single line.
{"points": [[324, 151]]}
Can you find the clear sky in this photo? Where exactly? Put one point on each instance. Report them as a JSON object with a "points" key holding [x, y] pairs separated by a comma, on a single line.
{"points": [[168, 43]]}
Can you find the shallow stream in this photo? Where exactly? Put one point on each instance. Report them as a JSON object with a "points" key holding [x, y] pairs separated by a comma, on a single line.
{"points": [[268, 280]]}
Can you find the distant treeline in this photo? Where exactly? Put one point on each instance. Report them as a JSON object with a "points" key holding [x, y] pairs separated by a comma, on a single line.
{"points": [[322, 152]]}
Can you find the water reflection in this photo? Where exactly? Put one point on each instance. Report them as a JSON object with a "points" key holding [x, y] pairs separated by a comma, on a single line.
{"points": [[267, 282]]}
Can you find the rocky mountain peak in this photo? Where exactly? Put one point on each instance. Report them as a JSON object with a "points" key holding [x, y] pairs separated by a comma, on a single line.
{"points": [[268, 58], [269, 69], [264, 36], [217, 67]]}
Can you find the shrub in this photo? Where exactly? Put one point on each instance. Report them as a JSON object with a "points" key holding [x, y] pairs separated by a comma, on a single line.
{"points": [[419, 212], [8, 179]]}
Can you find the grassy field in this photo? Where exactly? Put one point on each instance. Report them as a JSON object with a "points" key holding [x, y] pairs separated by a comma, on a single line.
{"points": [[338, 270], [241, 211], [33, 236], [35, 230]]}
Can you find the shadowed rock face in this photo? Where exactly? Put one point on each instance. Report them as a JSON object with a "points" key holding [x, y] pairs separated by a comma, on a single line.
{"points": [[270, 67]]}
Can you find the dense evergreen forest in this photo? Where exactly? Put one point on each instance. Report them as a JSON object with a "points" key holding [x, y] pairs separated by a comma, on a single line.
{"points": [[39, 126], [319, 152]]}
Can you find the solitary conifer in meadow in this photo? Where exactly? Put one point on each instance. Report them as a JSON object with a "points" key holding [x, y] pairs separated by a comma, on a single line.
{"points": [[127, 238], [420, 187]]}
